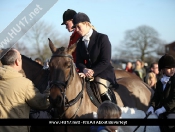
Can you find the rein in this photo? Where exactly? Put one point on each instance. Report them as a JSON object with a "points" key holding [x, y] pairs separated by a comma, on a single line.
{"points": [[67, 103], [145, 126]]}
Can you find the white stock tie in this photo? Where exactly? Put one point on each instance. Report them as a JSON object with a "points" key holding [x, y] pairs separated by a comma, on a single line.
{"points": [[164, 81], [86, 38]]}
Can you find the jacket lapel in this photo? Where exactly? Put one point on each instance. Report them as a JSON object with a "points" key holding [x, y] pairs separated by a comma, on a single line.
{"points": [[167, 88]]}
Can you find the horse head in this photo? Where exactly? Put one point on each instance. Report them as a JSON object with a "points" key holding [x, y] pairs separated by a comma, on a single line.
{"points": [[61, 73]]}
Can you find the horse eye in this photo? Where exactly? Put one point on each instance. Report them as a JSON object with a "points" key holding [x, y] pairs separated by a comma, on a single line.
{"points": [[69, 66]]}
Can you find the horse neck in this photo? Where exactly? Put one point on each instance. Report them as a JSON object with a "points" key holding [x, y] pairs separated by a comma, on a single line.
{"points": [[41, 80], [75, 86], [31, 69], [85, 107]]}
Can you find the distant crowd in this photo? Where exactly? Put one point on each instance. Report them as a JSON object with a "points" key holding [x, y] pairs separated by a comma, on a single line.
{"points": [[149, 74]]}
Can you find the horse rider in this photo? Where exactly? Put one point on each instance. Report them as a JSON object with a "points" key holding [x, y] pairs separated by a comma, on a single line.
{"points": [[163, 101], [68, 21], [94, 55], [17, 93]]}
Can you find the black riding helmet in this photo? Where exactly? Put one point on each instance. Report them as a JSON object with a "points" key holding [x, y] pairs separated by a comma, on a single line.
{"points": [[68, 15], [80, 17], [166, 61]]}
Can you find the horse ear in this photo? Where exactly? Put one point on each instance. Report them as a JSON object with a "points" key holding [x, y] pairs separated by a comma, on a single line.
{"points": [[72, 48], [52, 47]]}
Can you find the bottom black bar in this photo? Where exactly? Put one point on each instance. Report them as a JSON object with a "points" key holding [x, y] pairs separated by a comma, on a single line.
{"points": [[119, 122]]}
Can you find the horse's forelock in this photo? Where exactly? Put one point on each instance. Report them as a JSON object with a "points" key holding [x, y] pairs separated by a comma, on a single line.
{"points": [[60, 51], [62, 48]]}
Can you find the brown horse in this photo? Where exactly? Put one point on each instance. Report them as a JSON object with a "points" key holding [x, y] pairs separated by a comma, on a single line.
{"points": [[69, 91], [123, 73], [35, 73], [130, 92]]}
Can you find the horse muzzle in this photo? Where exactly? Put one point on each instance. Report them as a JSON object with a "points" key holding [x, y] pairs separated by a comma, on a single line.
{"points": [[57, 102], [56, 96]]}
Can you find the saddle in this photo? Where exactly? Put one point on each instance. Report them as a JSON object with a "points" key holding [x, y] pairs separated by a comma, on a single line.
{"points": [[94, 93]]}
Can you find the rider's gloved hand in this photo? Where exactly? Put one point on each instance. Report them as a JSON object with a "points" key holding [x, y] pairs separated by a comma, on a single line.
{"points": [[88, 72], [160, 111], [82, 75], [151, 109]]}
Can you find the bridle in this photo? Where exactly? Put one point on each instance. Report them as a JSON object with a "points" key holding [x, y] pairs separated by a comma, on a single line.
{"points": [[58, 84]]}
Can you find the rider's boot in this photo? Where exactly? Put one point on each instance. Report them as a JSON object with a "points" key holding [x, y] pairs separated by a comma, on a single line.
{"points": [[105, 96]]}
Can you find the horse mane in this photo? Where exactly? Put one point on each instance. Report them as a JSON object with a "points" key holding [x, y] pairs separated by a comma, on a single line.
{"points": [[60, 50], [35, 73], [35, 63]]}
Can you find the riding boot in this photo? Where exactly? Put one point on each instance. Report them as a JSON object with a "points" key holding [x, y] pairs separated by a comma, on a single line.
{"points": [[105, 96]]}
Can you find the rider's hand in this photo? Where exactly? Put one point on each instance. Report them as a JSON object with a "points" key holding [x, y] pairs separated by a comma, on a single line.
{"points": [[82, 75], [88, 72], [151, 109], [160, 111]]}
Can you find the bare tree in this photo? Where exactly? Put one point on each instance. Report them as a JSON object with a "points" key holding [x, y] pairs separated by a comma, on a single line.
{"points": [[19, 46], [37, 38], [22, 48], [161, 48], [141, 42]]}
